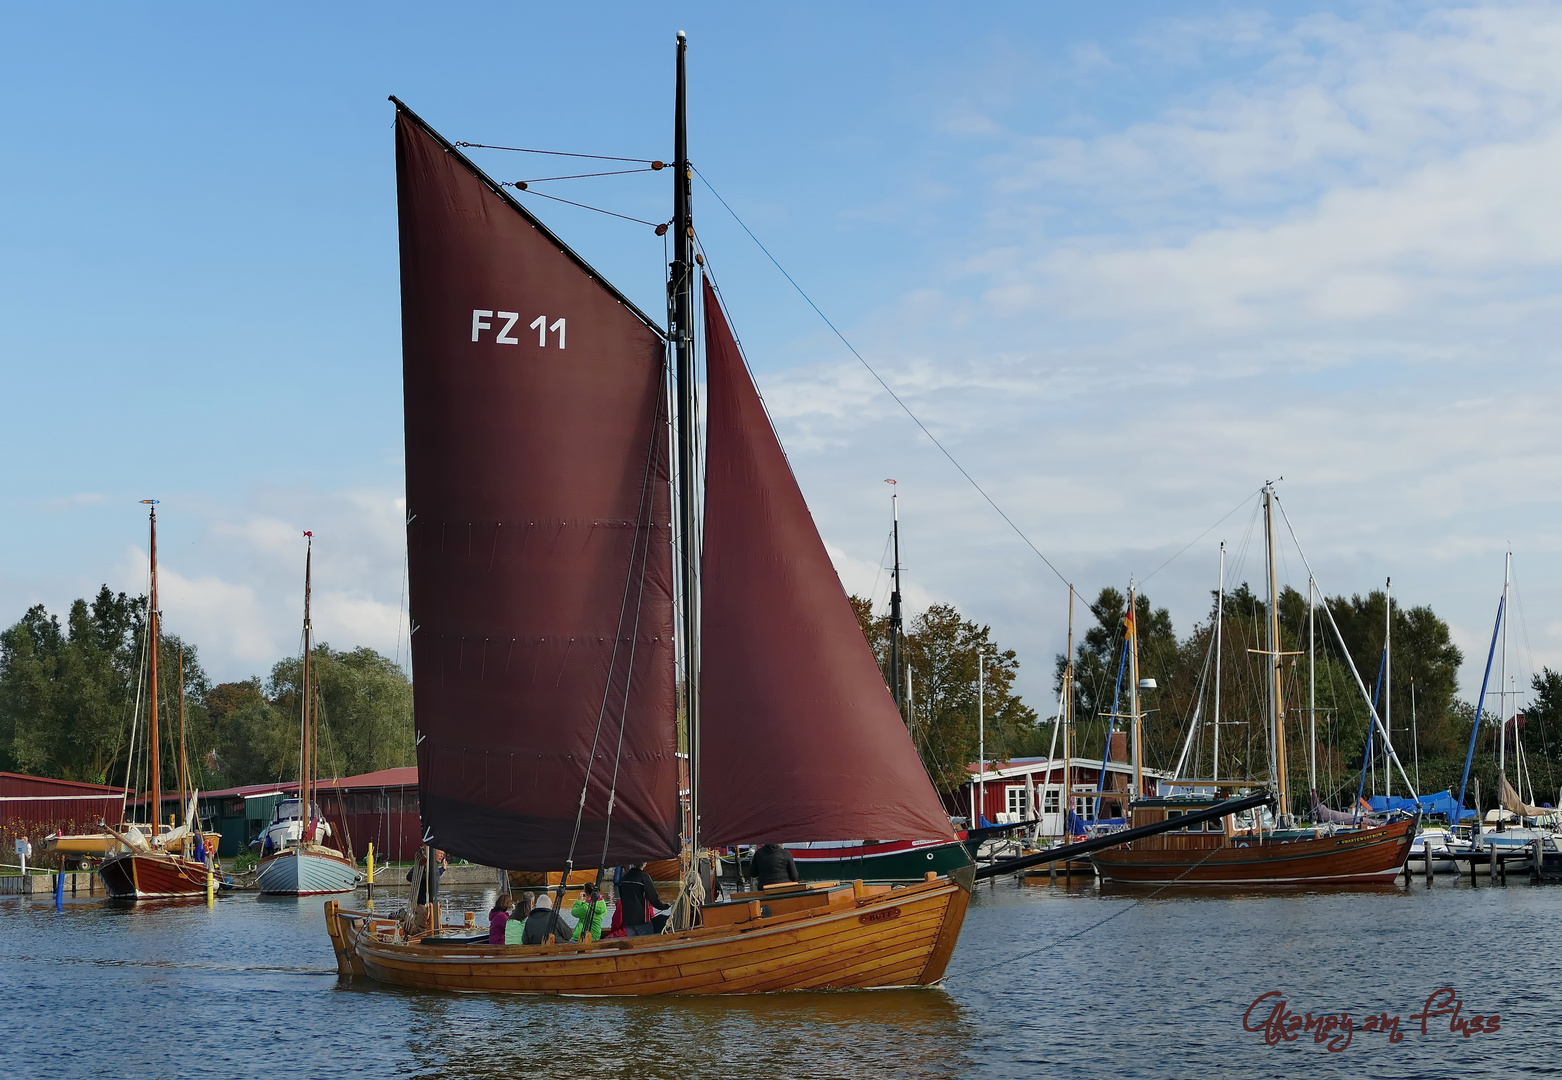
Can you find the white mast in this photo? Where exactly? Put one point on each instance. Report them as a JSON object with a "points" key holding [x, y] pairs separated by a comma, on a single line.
{"points": [[1283, 810], [1502, 684]]}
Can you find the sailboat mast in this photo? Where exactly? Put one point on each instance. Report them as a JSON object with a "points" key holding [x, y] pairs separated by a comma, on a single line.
{"points": [[1276, 714], [1220, 620], [1388, 684], [184, 761], [894, 604], [1312, 690], [152, 629], [680, 320], [1066, 804], [1502, 680], [981, 741], [1133, 675], [307, 770]]}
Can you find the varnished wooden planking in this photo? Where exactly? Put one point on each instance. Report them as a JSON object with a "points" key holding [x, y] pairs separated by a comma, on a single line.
{"points": [[843, 945], [1343, 857]]}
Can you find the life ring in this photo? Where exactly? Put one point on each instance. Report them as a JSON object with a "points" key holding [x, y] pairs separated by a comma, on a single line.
{"points": [[1242, 844]]}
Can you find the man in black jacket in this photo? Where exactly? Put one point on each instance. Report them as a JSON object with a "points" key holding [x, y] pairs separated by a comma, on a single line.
{"points": [[635, 889], [772, 865]]}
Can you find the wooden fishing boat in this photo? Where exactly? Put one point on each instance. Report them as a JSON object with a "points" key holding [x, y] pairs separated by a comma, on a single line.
{"points": [[295, 858], [821, 936], [545, 595], [882, 860], [151, 863], [1224, 854]]}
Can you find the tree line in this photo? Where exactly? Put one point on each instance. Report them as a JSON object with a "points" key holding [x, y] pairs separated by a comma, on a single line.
{"points": [[71, 692], [1417, 695]]}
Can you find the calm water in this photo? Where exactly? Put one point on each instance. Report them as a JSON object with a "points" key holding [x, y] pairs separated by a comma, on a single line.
{"points": [[249, 989]]}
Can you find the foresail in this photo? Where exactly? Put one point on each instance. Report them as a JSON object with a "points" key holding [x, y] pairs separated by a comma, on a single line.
{"points": [[799, 738], [538, 532]]}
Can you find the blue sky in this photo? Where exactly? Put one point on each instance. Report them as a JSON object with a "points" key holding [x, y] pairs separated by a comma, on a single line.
{"points": [[1128, 261]]}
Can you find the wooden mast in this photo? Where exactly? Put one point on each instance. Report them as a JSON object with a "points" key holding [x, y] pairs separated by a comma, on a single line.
{"points": [[152, 629], [681, 331], [1138, 734], [306, 771], [184, 766]]}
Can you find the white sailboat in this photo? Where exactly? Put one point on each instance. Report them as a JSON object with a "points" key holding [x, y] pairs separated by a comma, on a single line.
{"points": [[295, 859]]}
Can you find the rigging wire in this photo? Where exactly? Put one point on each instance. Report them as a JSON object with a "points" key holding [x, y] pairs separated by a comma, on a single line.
{"points": [[576, 176], [520, 186], [1242, 502], [896, 397], [559, 153]]}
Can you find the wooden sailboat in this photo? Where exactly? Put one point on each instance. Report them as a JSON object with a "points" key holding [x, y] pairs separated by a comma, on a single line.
{"points": [[154, 863], [1226, 852], [542, 578], [296, 859]]}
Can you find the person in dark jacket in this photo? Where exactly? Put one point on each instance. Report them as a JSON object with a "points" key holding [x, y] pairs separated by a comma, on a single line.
{"points": [[540, 923], [635, 890], [773, 864]]}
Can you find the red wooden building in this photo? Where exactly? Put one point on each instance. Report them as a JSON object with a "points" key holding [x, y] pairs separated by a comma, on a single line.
{"points": [[379, 808], [36, 806]]}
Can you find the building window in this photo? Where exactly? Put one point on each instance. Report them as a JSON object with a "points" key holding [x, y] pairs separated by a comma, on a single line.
{"points": [[1085, 808], [1051, 800], [1016, 803]]}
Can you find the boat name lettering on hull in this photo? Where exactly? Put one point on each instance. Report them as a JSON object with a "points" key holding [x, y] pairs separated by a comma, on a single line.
{"points": [[879, 916]]}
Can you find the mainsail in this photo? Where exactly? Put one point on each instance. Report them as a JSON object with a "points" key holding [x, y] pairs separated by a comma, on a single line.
{"points": [[1514, 804], [799, 738], [538, 533]]}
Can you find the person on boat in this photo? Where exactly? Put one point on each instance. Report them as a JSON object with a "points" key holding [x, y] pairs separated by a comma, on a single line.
{"points": [[636, 890], [515, 928], [590, 913], [615, 926], [540, 923], [440, 866], [497, 918], [773, 865]]}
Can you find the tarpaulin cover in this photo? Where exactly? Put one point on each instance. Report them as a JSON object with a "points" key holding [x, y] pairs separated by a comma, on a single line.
{"points": [[1441, 803], [538, 536], [799, 737]]}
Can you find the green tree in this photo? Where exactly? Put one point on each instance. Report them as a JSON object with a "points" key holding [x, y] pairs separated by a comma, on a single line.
{"points": [[365, 708], [944, 652]]}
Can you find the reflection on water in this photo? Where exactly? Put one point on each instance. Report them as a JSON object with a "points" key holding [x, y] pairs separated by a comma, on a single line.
{"points": [[900, 1033], [1048, 981]]}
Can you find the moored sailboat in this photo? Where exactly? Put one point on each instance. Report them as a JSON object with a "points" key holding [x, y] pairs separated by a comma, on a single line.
{"points": [[153, 861], [295, 859], [542, 586], [1227, 853]]}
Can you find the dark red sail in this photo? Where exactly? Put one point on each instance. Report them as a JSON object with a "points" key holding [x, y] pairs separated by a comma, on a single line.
{"points": [[799, 737], [538, 535]]}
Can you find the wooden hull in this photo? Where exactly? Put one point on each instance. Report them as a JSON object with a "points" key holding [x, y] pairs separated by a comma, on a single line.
{"points": [[851, 938], [1369, 855], [152, 876]]}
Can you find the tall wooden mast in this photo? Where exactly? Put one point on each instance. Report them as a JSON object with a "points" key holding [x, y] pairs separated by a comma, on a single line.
{"points": [[152, 631], [680, 325], [1133, 662], [307, 753]]}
